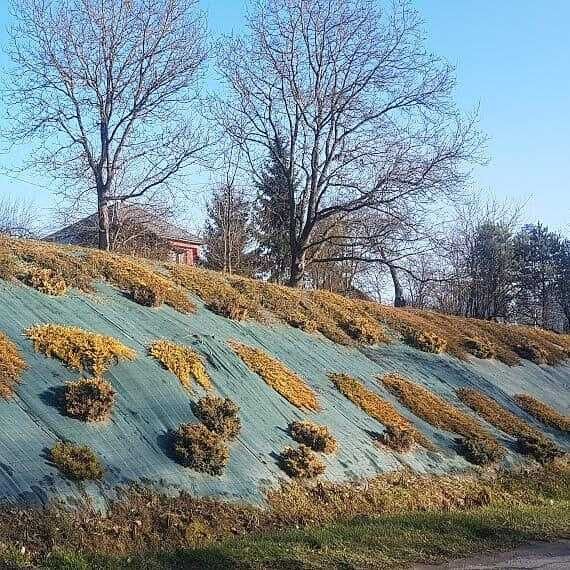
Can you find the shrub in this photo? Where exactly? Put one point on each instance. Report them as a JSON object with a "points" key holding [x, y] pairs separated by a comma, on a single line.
{"points": [[539, 447], [426, 341], [182, 361], [315, 436], [494, 413], [78, 348], [433, 409], [200, 449], [291, 386], [301, 462], [46, 281], [146, 295], [77, 462], [479, 348], [89, 399], [481, 450], [531, 351], [543, 413], [398, 439], [220, 416], [376, 406], [11, 366]]}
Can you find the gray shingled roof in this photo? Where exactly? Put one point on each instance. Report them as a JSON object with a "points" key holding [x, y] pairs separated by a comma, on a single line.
{"points": [[75, 233]]}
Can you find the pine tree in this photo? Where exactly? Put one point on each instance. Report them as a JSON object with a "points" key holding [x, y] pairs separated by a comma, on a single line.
{"points": [[272, 216], [228, 234]]}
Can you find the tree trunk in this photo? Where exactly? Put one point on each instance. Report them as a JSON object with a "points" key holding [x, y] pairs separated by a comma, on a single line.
{"points": [[104, 240], [399, 299], [297, 268]]}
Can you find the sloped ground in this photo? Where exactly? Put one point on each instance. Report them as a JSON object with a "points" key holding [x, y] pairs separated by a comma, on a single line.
{"points": [[151, 400], [314, 334]]}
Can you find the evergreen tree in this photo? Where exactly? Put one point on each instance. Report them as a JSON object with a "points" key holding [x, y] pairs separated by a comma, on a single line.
{"points": [[227, 235], [538, 251], [272, 216]]}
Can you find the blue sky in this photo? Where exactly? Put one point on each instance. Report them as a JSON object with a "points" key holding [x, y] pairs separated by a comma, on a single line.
{"points": [[512, 59]]}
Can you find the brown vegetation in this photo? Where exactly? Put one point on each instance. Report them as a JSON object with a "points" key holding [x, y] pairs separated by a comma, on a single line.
{"points": [[290, 385], [315, 436], [79, 349], [11, 366], [182, 361], [46, 281], [543, 413], [541, 448], [377, 407], [480, 348], [301, 462], [481, 451], [77, 462], [198, 448], [220, 416], [89, 399], [342, 320], [140, 520], [433, 409], [398, 439], [494, 413]]}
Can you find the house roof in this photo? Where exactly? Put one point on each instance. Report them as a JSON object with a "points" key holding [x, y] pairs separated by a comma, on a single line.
{"points": [[76, 233]]}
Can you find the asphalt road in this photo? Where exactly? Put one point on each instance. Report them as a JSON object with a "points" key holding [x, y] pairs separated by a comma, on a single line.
{"points": [[533, 556]]}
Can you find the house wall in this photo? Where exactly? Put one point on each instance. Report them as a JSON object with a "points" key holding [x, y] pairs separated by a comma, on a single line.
{"points": [[185, 253]]}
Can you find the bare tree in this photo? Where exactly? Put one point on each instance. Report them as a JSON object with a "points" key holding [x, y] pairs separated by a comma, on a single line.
{"points": [[18, 217], [365, 109], [106, 87]]}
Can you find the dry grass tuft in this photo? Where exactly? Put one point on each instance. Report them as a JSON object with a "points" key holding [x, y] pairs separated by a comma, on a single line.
{"points": [[543, 413], [290, 385], [530, 441], [495, 414], [400, 440], [46, 281], [481, 451], [433, 409], [220, 416], [480, 348], [532, 351], [544, 450], [426, 341], [301, 462], [11, 366], [79, 349], [182, 361], [77, 462], [140, 281], [89, 399], [197, 447], [377, 407], [315, 436]]}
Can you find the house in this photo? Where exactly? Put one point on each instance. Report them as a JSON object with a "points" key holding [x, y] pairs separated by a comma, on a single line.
{"points": [[135, 230]]}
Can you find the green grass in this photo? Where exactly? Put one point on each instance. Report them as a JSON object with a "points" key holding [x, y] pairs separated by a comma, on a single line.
{"points": [[394, 541]]}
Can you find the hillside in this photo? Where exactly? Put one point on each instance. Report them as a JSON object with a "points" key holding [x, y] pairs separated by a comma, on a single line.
{"points": [[341, 363]]}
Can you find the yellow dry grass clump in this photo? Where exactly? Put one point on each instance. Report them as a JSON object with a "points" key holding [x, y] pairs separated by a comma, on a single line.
{"points": [[433, 409], [291, 386], [543, 413], [11, 366], [377, 407], [79, 349], [182, 361], [46, 281], [140, 281], [495, 414]]}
